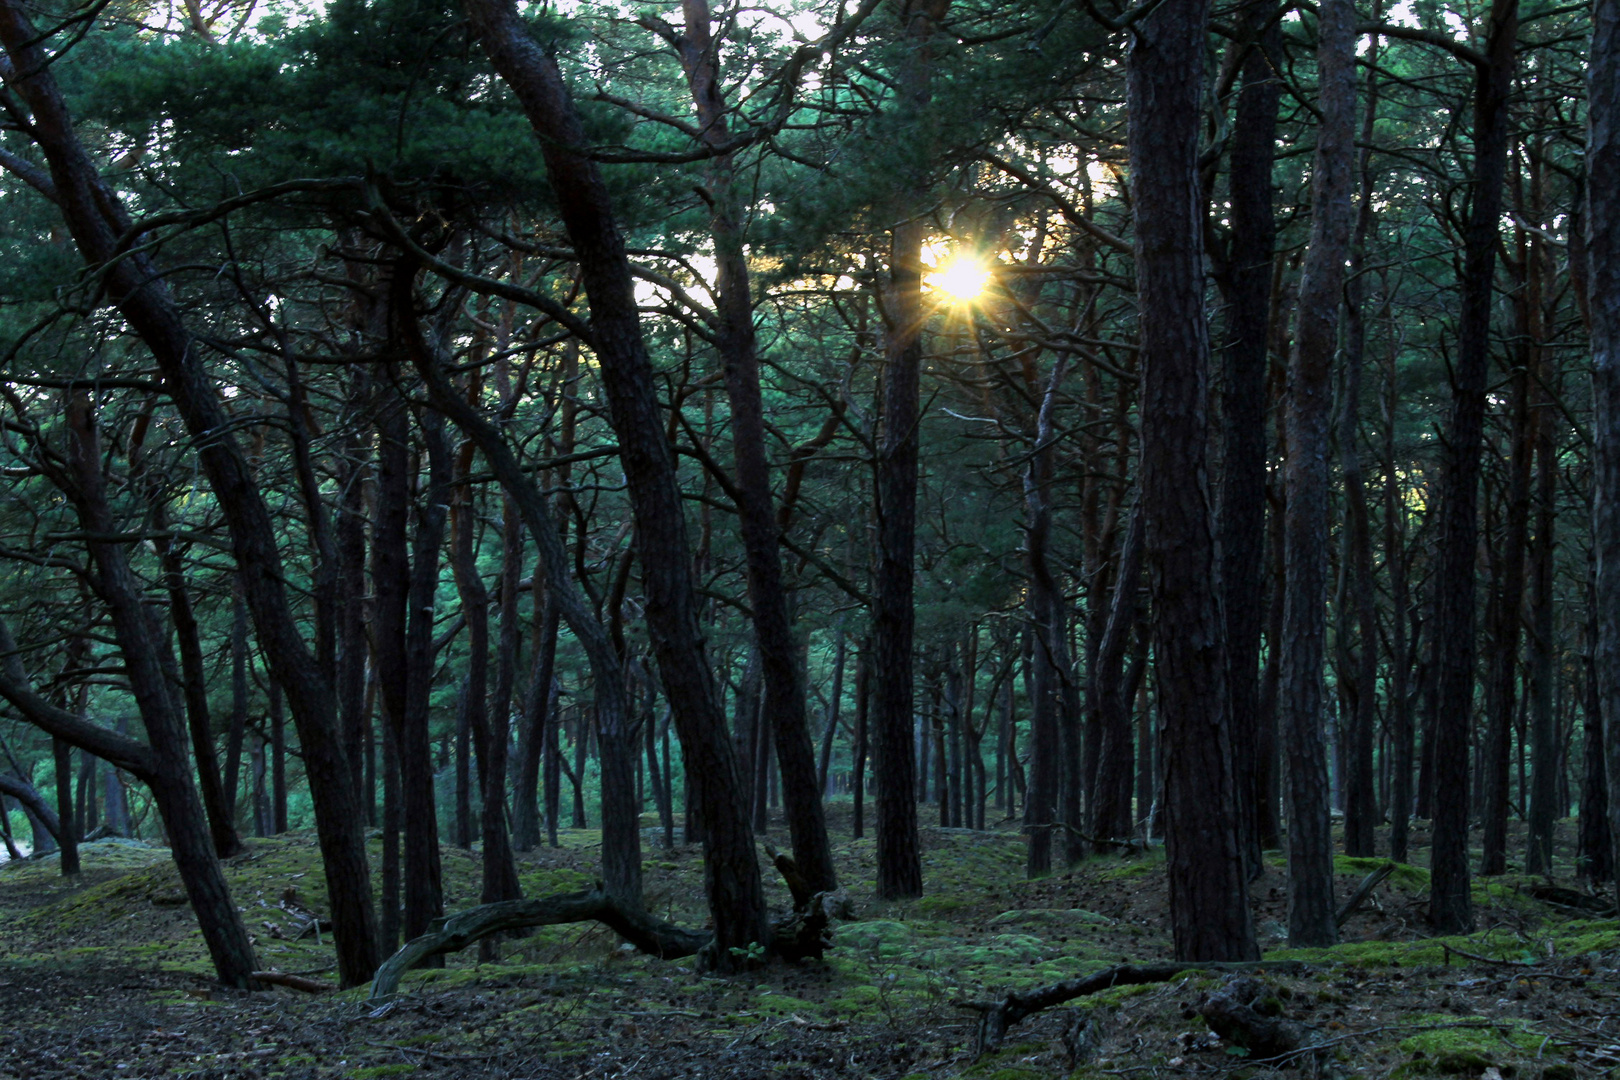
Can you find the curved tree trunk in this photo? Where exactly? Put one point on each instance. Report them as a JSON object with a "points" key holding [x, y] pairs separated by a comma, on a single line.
{"points": [[96, 220], [738, 347]]}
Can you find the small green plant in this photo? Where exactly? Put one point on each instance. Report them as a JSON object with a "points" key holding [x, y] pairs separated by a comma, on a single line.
{"points": [[753, 954]]}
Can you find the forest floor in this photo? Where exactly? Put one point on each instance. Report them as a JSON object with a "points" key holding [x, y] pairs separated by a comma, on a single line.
{"points": [[106, 977]]}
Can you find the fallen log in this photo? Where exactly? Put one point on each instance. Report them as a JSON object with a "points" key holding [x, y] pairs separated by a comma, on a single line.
{"points": [[294, 982], [797, 936], [997, 1018], [1364, 890]]}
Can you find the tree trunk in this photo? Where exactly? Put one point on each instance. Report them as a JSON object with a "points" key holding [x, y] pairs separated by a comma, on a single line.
{"points": [[1451, 908], [1209, 910], [1047, 627], [219, 801], [738, 347], [1111, 817], [1311, 911], [1360, 670], [1395, 558], [1603, 291], [1506, 614], [1246, 288], [97, 219], [736, 896], [140, 642], [500, 880], [68, 836]]}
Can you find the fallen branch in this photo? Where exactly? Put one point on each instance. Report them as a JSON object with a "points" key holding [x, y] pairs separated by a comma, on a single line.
{"points": [[797, 936], [1450, 950], [458, 931], [1570, 899], [1364, 890], [998, 1017], [294, 982], [1097, 841]]}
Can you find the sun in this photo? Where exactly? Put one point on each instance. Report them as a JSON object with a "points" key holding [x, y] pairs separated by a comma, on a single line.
{"points": [[963, 278]]}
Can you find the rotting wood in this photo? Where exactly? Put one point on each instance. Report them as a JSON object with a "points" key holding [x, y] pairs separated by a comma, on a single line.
{"points": [[1363, 891], [998, 1017]]}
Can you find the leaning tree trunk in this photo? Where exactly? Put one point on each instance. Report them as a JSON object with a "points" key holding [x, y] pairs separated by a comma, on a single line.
{"points": [[1451, 908], [739, 353], [141, 642], [97, 220], [736, 894], [1209, 910]]}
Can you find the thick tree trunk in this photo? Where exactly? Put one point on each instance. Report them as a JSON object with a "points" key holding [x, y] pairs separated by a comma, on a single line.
{"points": [[1603, 291], [1209, 911], [1246, 288], [1305, 523], [1450, 905], [1360, 670]]}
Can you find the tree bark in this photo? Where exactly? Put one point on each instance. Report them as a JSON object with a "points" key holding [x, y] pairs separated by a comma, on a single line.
{"points": [[1305, 521], [141, 642], [1246, 288], [899, 860], [1450, 905], [1603, 292], [1209, 909], [1111, 803], [1359, 669]]}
